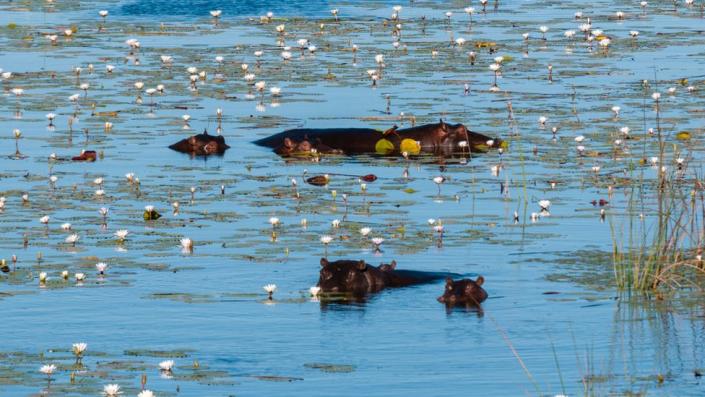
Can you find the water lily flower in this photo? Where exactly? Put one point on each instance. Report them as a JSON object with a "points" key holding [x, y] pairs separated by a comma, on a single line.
{"points": [[146, 393], [216, 13], [326, 239], [166, 365], [66, 226], [274, 221], [314, 291], [72, 239], [544, 204], [101, 267], [47, 369], [79, 348], [377, 241], [65, 274], [42, 277], [186, 244], [365, 231], [121, 234], [335, 223], [112, 390], [44, 219], [270, 288]]}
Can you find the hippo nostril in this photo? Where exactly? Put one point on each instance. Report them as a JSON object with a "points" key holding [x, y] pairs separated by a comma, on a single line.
{"points": [[441, 299]]}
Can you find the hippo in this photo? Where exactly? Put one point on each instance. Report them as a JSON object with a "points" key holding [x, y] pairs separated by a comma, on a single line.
{"points": [[464, 292], [304, 148], [440, 139], [357, 278], [201, 145]]}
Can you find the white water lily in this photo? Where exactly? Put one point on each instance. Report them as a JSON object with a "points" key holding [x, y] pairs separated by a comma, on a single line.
{"points": [[365, 231], [44, 219], [101, 267], [216, 13], [66, 226], [43, 277], [47, 369], [314, 291], [166, 365], [335, 223], [146, 393], [326, 239], [377, 241], [270, 288], [121, 234], [544, 204], [79, 348], [112, 390], [72, 239], [186, 244]]}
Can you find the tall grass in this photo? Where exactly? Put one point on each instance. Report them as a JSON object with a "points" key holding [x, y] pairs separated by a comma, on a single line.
{"points": [[666, 252]]}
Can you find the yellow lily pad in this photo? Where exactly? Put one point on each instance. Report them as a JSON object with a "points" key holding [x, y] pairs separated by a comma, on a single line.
{"points": [[384, 146], [410, 146], [683, 136]]}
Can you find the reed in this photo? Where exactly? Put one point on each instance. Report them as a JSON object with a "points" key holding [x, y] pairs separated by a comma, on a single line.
{"points": [[664, 254]]}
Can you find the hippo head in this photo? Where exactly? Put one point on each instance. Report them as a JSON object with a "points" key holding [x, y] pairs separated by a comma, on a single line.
{"points": [[452, 137], [463, 292], [343, 276], [457, 138], [291, 147]]}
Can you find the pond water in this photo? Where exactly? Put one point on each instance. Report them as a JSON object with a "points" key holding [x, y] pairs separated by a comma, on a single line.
{"points": [[555, 322]]}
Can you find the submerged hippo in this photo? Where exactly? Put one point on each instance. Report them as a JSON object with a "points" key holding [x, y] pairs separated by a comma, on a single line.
{"points": [[201, 145], [304, 148], [440, 138], [358, 278], [464, 292]]}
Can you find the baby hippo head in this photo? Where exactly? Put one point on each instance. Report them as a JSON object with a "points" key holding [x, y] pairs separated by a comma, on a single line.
{"points": [[343, 276], [463, 292]]}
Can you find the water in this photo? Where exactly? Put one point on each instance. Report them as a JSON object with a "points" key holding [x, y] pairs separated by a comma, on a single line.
{"points": [[209, 306]]}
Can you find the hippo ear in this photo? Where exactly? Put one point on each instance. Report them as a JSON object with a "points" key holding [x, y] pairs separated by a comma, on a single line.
{"points": [[393, 265], [480, 280], [443, 125], [324, 262], [449, 281], [361, 266], [288, 143]]}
